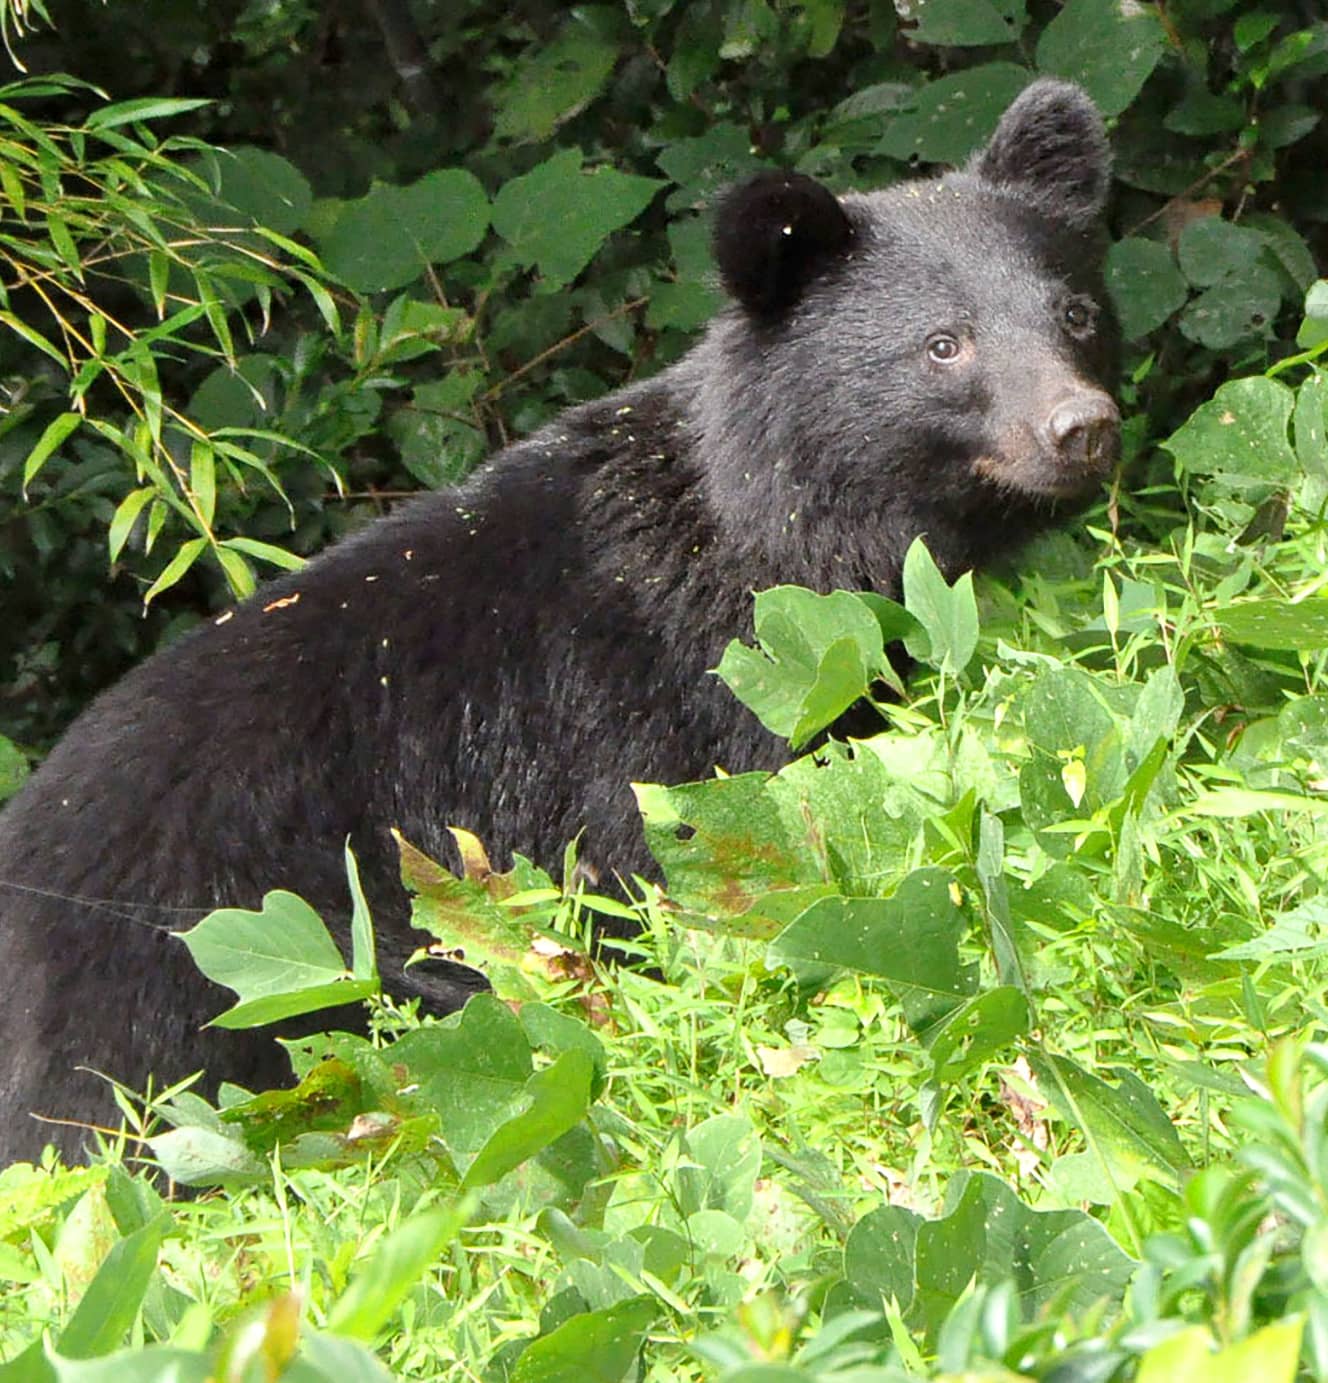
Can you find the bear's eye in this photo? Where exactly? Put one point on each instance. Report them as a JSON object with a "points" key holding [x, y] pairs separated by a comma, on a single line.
{"points": [[943, 349], [1080, 315]]}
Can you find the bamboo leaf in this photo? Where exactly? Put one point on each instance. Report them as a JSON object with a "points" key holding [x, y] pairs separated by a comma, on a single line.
{"points": [[176, 568], [57, 430], [126, 515]]}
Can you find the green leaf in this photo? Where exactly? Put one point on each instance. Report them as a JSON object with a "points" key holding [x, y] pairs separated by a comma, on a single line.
{"points": [[474, 1069], [111, 1303], [1314, 329], [1209, 249], [561, 80], [975, 1031], [399, 1261], [911, 940], [52, 439], [989, 1236], [953, 115], [385, 239], [185, 558], [947, 614], [280, 961], [1240, 435], [730, 852], [203, 479], [1107, 47], [34, 338], [554, 1101], [13, 774], [153, 1364], [1127, 1130], [1145, 285], [144, 108], [266, 552], [1279, 624], [818, 655], [1270, 1354], [364, 959], [1236, 308], [594, 1347], [264, 188], [466, 917], [960, 23], [558, 215], [196, 1156]]}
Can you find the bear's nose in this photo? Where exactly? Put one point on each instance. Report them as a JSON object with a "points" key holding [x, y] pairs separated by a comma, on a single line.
{"points": [[1085, 430]]}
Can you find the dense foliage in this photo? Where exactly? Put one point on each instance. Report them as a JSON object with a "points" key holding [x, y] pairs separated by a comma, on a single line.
{"points": [[987, 1042]]}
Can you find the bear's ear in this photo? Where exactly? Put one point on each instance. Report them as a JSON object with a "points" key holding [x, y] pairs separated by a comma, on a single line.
{"points": [[1051, 145], [773, 234]]}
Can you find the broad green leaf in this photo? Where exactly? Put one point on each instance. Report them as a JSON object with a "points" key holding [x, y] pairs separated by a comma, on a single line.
{"points": [[196, 1156], [911, 940], [724, 1161], [594, 1347], [1109, 48], [1210, 249], [1237, 307], [335, 1360], [280, 961], [264, 188], [464, 915], [977, 1030], [986, 1234], [1240, 435], [1309, 424], [953, 115], [558, 215], [1280, 624], [1145, 285], [1314, 329], [962, 23], [558, 82], [382, 1283], [1270, 1354], [153, 1364], [554, 1101], [948, 615], [728, 852], [386, 238], [473, 1069], [695, 55], [1126, 1128], [818, 655]]}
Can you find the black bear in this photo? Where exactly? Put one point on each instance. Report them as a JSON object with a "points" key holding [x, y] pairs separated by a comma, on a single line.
{"points": [[934, 358]]}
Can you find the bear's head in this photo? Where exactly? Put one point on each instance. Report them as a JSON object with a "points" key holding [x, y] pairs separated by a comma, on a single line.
{"points": [[934, 358]]}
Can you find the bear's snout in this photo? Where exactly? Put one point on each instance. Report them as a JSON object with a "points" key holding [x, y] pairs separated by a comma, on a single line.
{"points": [[1084, 431]]}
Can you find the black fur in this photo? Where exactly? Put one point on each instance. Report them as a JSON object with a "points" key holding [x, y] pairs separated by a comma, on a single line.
{"points": [[509, 655], [773, 234]]}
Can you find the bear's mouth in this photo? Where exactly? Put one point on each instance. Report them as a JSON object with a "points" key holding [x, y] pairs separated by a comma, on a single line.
{"points": [[1068, 466]]}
